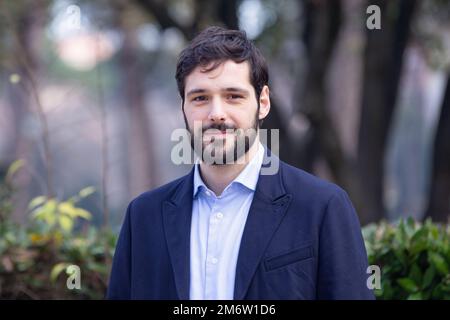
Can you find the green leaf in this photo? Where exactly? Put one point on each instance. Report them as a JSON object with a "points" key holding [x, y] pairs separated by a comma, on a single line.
{"points": [[410, 227], [36, 202], [419, 241], [408, 284], [10, 237], [415, 274], [83, 213], [388, 291], [401, 232], [47, 212], [428, 276], [57, 269], [401, 256], [85, 192], [434, 232], [438, 262], [68, 209], [437, 292], [66, 223], [14, 167]]}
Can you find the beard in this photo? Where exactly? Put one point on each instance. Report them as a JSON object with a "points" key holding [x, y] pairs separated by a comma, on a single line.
{"points": [[229, 147]]}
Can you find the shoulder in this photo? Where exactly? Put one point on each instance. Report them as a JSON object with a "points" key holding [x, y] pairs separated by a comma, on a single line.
{"points": [[297, 181], [331, 203], [326, 205], [155, 197]]}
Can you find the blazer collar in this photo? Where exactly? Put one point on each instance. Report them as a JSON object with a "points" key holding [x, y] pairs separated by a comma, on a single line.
{"points": [[176, 214]]}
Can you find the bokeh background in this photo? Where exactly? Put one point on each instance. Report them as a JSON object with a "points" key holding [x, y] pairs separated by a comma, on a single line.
{"points": [[88, 102]]}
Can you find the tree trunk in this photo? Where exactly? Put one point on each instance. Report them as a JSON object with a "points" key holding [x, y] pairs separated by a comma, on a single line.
{"points": [[382, 69], [141, 163], [439, 202], [26, 27], [322, 27]]}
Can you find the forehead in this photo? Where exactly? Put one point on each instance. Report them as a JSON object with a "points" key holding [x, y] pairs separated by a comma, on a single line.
{"points": [[227, 74]]}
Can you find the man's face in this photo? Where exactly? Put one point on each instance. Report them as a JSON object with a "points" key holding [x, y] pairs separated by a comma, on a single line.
{"points": [[221, 110]]}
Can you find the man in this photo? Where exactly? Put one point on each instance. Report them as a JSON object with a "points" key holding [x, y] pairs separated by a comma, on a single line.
{"points": [[226, 230]]}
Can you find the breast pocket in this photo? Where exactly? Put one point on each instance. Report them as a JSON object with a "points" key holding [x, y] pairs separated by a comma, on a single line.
{"points": [[287, 258]]}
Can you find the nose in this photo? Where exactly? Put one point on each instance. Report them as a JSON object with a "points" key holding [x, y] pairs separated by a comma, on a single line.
{"points": [[217, 113]]}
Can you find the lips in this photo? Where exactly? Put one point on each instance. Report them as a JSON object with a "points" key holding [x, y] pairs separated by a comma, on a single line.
{"points": [[215, 133], [208, 136]]}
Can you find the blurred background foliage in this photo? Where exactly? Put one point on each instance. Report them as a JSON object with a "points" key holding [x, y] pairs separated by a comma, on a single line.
{"points": [[35, 254], [88, 98], [414, 259]]}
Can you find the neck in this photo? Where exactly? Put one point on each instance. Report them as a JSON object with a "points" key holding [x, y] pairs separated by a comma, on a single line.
{"points": [[218, 177]]}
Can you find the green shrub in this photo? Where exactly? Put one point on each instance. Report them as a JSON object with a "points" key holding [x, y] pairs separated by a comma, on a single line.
{"points": [[57, 235], [414, 259]]}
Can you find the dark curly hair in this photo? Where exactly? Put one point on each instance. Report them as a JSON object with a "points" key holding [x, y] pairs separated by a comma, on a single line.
{"points": [[216, 45]]}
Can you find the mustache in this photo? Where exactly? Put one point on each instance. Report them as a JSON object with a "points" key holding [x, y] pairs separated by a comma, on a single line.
{"points": [[219, 126]]}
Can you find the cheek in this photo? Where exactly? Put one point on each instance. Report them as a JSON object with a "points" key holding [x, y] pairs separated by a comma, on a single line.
{"points": [[245, 118], [195, 115]]}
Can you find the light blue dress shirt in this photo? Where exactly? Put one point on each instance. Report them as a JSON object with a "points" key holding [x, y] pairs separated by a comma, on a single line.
{"points": [[216, 231]]}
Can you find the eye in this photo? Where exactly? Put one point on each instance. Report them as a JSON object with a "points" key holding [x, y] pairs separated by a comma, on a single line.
{"points": [[234, 96], [200, 99]]}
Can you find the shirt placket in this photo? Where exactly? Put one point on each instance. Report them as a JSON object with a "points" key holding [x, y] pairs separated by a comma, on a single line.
{"points": [[212, 252]]}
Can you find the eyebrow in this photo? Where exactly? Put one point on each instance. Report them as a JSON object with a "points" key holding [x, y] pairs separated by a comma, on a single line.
{"points": [[236, 89], [229, 89], [195, 91]]}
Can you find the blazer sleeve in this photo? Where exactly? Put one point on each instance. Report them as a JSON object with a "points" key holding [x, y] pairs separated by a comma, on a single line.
{"points": [[342, 254], [120, 280]]}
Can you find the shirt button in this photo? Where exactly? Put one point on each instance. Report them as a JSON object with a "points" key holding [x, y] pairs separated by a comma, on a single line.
{"points": [[214, 260], [219, 215]]}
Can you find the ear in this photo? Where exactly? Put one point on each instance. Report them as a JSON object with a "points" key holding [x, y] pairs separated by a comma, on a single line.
{"points": [[264, 103]]}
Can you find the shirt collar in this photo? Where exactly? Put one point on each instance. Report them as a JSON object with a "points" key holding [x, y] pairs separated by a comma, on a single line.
{"points": [[248, 177]]}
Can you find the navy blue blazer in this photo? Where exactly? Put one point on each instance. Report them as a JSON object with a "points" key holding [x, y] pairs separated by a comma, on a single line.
{"points": [[302, 240]]}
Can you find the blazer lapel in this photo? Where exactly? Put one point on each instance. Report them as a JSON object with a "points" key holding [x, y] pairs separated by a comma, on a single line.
{"points": [[177, 214], [266, 212]]}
